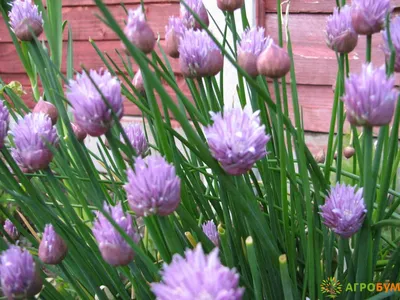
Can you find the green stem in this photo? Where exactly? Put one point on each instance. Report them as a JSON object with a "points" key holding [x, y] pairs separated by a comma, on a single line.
{"points": [[340, 120], [369, 48]]}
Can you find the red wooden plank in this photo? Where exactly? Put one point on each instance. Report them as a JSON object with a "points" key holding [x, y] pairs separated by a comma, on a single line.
{"points": [[113, 2], [85, 24], [83, 54], [311, 6]]}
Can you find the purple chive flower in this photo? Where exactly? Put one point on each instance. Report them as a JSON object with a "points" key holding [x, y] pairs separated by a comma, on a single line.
{"points": [[11, 230], [31, 136], [252, 44], [173, 33], [197, 6], [52, 248], [113, 247], [24, 18], [197, 276], [90, 110], [370, 97], [395, 37], [199, 56], [137, 138], [368, 16], [340, 34], [344, 210], [138, 31], [153, 187], [237, 139], [19, 275], [210, 230], [4, 121]]}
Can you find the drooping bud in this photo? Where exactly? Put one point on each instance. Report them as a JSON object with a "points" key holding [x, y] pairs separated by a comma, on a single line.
{"points": [[25, 19], [80, 134], [139, 32], [197, 6], [251, 45], [138, 83], [173, 34], [46, 108], [4, 121], [348, 152], [52, 248], [229, 5], [368, 16], [20, 278], [11, 230], [273, 62], [340, 34], [199, 56]]}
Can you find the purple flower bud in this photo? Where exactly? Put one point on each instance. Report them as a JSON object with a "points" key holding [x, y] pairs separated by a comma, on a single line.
{"points": [[4, 121], [173, 34], [368, 16], [395, 37], [199, 56], [153, 187], [344, 210], [113, 247], [273, 62], [46, 108], [348, 152], [340, 34], [25, 19], [52, 248], [138, 31], [370, 97], [138, 83], [31, 136], [199, 9], [197, 276], [237, 139], [19, 276], [11, 230], [80, 134], [90, 110], [137, 138], [253, 42], [210, 230], [229, 5]]}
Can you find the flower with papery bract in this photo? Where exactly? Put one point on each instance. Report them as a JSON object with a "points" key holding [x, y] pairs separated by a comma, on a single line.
{"points": [[173, 33], [90, 110], [211, 231], [11, 230], [32, 137], [395, 37], [252, 44], [368, 16], [138, 31], [113, 247], [47, 108], [52, 248], [344, 210], [4, 121], [370, 97], [137, 138], [237, 139], [25, 19], [19, 276], [274, 61], [199, 56], [229, 5], [197, 6], [197, 276], [340, 34], [153, 187]]}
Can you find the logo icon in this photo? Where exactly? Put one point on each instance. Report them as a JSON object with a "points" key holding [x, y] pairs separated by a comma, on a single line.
{"points": [[331, 287]]}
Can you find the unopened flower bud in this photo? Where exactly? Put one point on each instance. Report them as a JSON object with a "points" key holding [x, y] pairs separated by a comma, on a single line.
{"points": [[138, 83], [11, 230], [229, 5], [139, 32], [4, 121], [25, 20], [273, 62], [52, 248], [320, 157], [80, 134], [173, 34], [48, 109], [348, 152]]}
